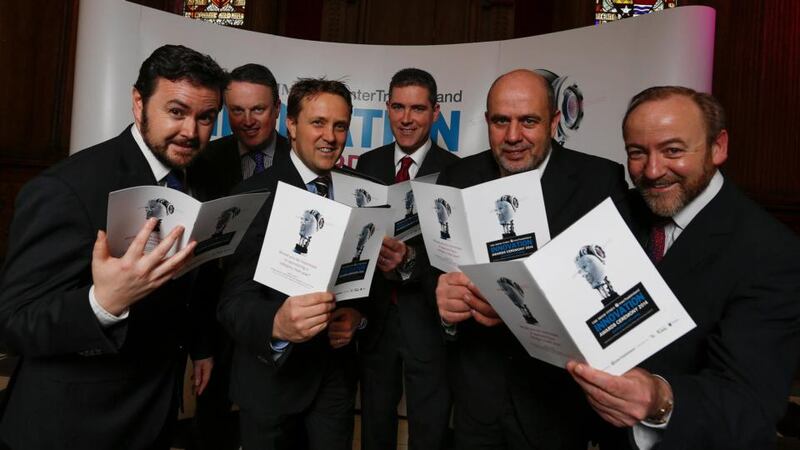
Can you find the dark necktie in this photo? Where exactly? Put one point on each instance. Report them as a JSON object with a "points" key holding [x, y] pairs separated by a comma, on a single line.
{"points": [[658, 239], [258, 157], [402, 174], [174, 180], [322, 183]]}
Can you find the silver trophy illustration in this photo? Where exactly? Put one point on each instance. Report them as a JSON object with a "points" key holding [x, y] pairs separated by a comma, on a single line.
{"points": [[362, 197], [363, 237], [158, 208], [591, 262], [410, 204], [505, 207], [310, 223], [224, 219], [515, 293], [443, 212]]}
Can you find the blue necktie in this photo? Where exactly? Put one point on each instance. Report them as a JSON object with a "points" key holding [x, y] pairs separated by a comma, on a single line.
{"points": [[258, 157], [174, 180]]}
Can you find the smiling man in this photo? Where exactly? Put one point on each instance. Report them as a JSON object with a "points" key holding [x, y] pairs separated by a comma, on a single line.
{"points": [[504, 399], [404, 333], [292, 366], [734, 268], [103, 340], [253, 106]]}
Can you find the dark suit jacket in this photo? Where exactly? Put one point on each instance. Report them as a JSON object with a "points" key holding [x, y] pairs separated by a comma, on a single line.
{"points": [[77, 385], [247, 310], [418, 313], [221, 160], [736, 271], [491, 364]]}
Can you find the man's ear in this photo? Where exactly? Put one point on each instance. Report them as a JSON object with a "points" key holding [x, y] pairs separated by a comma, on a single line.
{"points": [[137, 106], [719, 148], [291, 128]]}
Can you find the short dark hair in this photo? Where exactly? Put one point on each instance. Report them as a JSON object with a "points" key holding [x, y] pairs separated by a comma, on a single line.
{"points": [[176, 62], [710, 108], [310, 88], [256, 74], [415, 77]]}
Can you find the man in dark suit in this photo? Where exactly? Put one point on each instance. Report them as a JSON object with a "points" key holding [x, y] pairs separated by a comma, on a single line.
{"points": [[404, 335], [734, 268], [103, 340], [253, 105], [294, 383], [504, 399]]}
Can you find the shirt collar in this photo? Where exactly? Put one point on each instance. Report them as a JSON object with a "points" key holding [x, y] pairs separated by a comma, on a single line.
{"points": [[157, 167], [685, 215], [418, 156], [267, 149], [306, 174]]}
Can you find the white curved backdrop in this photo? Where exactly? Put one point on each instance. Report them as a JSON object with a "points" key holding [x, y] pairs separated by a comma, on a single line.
{"points": [[604, 64]]}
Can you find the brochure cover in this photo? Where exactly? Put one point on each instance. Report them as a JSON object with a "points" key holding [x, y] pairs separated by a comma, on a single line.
{"points": [[217, 225], [314, 244], [591, 294], [360, 192], [500, 220]]}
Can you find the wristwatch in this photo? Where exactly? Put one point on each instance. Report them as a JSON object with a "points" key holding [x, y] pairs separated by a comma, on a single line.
{"points": [[662, 415]]}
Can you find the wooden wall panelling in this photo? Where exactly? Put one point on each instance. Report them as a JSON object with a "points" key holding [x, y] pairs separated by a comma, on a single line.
{"points": [[341, 21], [37, 47]]}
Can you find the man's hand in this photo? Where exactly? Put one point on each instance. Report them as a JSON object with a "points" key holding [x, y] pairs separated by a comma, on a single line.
{"points": [[458, 300], [344, 322], [201, 374], [622, 400], [392, 253], [121, 282], [301, 317]]}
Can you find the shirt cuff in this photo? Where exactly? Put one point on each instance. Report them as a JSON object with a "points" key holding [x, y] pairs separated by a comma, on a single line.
{"points": [[105, 318], [449, 328]]}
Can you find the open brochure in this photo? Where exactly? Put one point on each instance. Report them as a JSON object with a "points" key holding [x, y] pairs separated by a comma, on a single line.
{"points": [[499, 220], [216, 225], [361, 192], [315, 244], [591, 295]]}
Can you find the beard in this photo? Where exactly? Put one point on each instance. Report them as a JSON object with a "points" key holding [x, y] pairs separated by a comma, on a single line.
{"points": [[667, 204], [160, 149], [536, 160]]}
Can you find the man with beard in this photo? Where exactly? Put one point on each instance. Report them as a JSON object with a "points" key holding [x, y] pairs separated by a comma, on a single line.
{"points": [[504, 399], [294, 383], [404, 336], [103, 340], [734, 268]]}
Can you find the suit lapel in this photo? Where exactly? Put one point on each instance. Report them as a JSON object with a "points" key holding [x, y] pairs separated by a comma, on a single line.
{"points": [[432, 162], [710, 231], [134, 169], [558, 186]]}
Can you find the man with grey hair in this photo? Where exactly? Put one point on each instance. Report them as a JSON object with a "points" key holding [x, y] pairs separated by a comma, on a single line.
{"points": [[504, 399]]}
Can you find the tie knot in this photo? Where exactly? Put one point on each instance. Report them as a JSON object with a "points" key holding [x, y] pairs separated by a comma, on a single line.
{"points": [[322, 183], [402, 174], [174, 180]]}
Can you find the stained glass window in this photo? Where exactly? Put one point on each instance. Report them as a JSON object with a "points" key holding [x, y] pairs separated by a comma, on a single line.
{"points": [[610, 10], [222, 12]]}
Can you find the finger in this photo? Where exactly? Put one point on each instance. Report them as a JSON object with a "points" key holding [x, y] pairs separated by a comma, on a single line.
{"points": [[456, 305], [484, 320], [613, 385], [481, 306], [454, 317], [100, 250], [160, 252], [316, 329], [392, 244], [315, 298], [136, 249], [456, 279], [609, 415]]}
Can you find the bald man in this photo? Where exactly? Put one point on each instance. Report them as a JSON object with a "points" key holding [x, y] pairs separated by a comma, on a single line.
{"points": [[504, 399]]}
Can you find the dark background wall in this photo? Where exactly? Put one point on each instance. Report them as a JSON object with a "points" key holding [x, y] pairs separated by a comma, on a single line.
{"points": [[756, 71]]}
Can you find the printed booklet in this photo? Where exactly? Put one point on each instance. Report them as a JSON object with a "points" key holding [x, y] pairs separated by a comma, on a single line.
{"points": [[217, 225], [591, 294], [315, 244], [361, 192], [499, 220]]}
